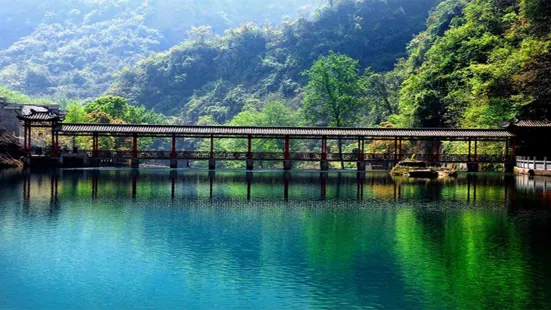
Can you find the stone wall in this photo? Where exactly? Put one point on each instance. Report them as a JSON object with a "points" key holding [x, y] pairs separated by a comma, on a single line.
{"points": [[8, 118]]}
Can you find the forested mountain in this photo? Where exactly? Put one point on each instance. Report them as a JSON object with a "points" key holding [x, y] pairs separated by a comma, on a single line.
{"points": [[215, 76], [72, 48], [479, 63], [427, 63]]}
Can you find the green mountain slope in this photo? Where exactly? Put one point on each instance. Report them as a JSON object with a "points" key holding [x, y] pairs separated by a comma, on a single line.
{"points": [[72, 48], [480, 63], [218, 75]]}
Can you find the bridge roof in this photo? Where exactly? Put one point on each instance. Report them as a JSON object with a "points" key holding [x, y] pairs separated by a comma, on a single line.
{"points": [[297, 132]]}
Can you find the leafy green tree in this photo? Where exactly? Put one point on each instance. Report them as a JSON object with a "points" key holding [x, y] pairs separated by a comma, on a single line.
{"points": [[380, 94], [118, 109], [332, 93], [75, 113], [274, 113]]}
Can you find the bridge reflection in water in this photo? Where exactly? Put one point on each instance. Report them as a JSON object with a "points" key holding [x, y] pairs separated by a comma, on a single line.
{"points": [[304, 188]]}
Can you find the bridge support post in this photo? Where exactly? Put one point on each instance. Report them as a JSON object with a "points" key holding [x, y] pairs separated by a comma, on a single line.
{"points": [[401, 151], [134, 162], [173, 158], [287, 164], [509, 167], [250, 162], [94, 162], [27, 140], [212, 161], [173, 163], [54, 146], [470, 152], [95, 145], [324, 164], [476, 149], [396, 149], [473, 167], [361, 154]]}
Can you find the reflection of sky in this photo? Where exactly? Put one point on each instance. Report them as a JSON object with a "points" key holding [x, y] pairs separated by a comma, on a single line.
{"points": [[429, 248]]}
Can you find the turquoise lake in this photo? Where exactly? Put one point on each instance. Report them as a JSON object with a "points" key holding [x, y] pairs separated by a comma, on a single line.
{"points": [[190, 239]]}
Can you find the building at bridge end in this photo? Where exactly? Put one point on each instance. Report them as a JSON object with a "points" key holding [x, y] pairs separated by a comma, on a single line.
{"points": [[531, 137]]}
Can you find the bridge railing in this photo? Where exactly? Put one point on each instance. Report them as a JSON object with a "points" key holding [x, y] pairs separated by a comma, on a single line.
{"points": [[316, 156], [527, 162]]}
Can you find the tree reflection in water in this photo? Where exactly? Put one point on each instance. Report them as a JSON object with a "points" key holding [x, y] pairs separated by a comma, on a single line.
{"points": [[321, 240]]}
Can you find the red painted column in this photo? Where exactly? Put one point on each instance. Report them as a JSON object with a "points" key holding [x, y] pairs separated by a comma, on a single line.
{"points": [[25, 142], [360, 152], [363, 148], [514, 142], [507, 149], [95, 145], [54, 151], [396, 148], [476, 149], [250, 148], [470, 152], [287, 148], [173, 155], [401, 153], [432, 150], [324, 148], [211, 146], [57, 148], [29, 138], [438, 145], [135, 146]]}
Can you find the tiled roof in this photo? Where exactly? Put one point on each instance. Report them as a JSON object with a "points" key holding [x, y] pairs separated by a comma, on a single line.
{"points": [[38, 113], [281, 131], [525, 123]]}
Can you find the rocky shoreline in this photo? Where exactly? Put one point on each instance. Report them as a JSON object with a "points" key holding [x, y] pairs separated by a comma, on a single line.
{"points": [[10, 150]]}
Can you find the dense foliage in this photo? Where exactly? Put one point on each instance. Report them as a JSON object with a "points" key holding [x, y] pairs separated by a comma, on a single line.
{"points": [[477, 63], [480, 63], [218, 75], [73, 48]]}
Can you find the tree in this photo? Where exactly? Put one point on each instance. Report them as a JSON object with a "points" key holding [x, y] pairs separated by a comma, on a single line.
{"points": [[332, 93], [380, 94], [274, 113]]}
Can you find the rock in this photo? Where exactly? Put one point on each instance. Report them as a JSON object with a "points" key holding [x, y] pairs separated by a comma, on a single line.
{"points": [[10, 150]]}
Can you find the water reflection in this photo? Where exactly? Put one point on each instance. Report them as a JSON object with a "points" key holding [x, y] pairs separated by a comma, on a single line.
{"points": [[249, 186], [126, 239]]}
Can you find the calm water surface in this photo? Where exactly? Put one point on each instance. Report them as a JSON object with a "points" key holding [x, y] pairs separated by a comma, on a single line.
{"points": [[121, 239]]}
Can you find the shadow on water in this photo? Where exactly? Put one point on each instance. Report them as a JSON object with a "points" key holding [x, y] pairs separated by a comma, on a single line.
{"points": [[273, 239]]}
